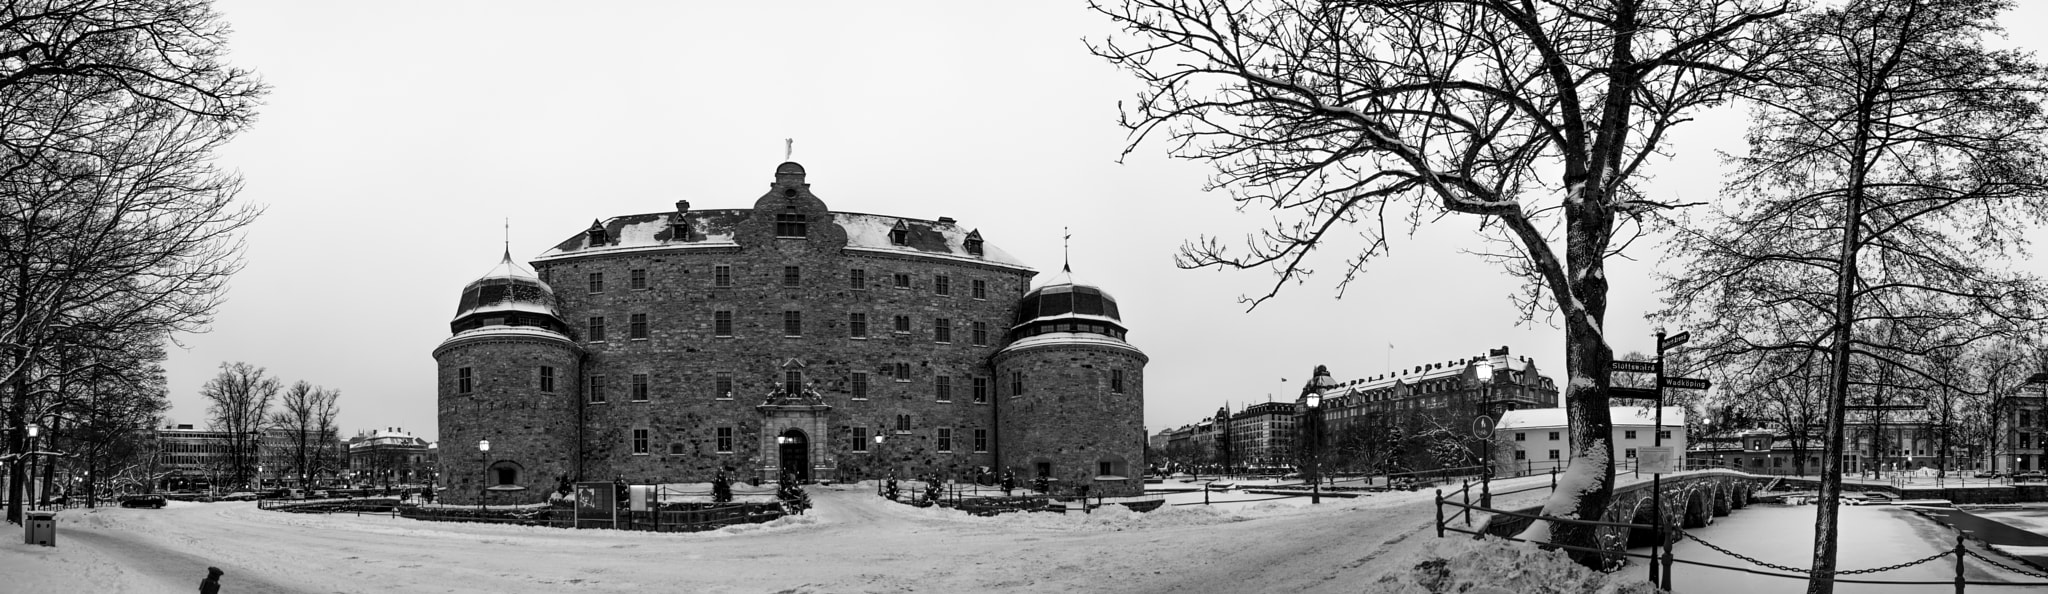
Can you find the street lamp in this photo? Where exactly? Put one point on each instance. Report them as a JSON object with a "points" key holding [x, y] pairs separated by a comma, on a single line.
{"points": [[483, 453], [1314, 401]]}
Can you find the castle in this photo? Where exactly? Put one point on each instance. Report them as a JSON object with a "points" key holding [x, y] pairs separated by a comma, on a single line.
{"points": [[783, 338]]}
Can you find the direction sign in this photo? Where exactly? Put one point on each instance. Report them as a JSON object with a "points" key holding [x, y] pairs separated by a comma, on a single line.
{"points": [[1685, 383], [1673, 341], [1621, 392], [1635, 366]]}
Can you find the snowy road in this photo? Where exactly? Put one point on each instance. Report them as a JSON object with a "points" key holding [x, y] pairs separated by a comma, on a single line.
{"points": [[852, 542]]}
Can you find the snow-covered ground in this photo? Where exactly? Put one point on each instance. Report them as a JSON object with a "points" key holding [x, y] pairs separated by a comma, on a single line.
{"points": [[852, 542]]}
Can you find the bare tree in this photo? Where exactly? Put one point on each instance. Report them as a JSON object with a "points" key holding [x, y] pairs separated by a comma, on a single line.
{"points": [[306, 414], [111, 219], [1531, 117], [1883, 175], [238, 403]]}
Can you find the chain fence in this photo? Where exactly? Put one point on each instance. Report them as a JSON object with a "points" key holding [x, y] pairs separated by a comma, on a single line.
{"points": [[1810, 571]]}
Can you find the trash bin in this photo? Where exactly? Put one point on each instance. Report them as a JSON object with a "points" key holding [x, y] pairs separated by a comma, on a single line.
{"points": [[41, 528]]}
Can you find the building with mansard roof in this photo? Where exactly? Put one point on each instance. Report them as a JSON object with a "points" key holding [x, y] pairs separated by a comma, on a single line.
{"points": [[783, 338]]}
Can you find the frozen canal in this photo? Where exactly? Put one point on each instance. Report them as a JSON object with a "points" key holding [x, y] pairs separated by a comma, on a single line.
{"points": [[1871, 536]]}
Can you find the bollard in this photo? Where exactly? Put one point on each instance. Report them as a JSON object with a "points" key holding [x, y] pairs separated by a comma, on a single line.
{"points": [[1959, 564], [1439, 513], [1553, 478]]}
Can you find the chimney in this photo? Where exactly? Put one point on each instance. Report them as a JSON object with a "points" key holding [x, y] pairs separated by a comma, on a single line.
{"points": [[946, 220]]}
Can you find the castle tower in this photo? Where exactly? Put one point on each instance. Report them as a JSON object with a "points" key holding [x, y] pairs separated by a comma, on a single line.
{"points": [[1072, 392], [507, 375]]}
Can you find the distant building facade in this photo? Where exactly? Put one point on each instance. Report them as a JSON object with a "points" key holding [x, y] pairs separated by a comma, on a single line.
{"points": [[1263, 436], [1540, 440], [1381, 421], [2020, 434], [389, 457]]}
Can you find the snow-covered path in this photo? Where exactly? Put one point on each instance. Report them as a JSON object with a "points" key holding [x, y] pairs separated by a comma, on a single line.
{"points": [[851, 542]]}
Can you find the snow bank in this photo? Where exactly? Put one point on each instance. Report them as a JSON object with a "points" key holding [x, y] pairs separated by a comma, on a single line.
{"points": [[1497, 567]]}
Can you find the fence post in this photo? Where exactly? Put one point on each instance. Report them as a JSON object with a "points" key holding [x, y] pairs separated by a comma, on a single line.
{"points": [[1959, 564], [1439, 513], [1553, 478], [1466, 492]]}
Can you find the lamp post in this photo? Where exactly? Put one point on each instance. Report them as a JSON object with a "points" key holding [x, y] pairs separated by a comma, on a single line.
{"points": [[28, 457], [483, 453], [1314, 401]]}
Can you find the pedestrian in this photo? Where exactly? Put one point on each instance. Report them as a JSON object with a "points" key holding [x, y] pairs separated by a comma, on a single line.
{"points": [[210, 585]]}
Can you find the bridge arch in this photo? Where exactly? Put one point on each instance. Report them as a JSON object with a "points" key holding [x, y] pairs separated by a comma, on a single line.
{"points": [[1723, 497], [1698, 510]]}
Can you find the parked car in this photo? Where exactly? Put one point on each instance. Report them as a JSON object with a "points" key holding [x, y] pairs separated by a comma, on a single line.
{"points": [[239, 496], [1987, 474], [2029, 475], [143, 500]]}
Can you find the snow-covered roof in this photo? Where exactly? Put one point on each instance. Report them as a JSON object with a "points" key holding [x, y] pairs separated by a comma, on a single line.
{"points": [[715, 228], [1070, 338], [1534, 418]]}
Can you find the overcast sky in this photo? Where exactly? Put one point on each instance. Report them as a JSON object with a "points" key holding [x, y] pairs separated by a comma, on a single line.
{"points": [[401, 136]]}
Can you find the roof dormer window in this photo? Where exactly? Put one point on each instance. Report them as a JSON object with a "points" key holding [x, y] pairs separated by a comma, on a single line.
{"points": [[973, 242], [900, 235], [598, 237]]}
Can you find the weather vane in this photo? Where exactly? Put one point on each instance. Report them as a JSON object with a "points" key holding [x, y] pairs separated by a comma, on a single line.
{"points": [[788, 148]]}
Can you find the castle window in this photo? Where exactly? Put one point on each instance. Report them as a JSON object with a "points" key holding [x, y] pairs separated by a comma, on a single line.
{"points": [[942, 285], [942, 330], [721, 276], [638, 326], [639, 387], [980, 441], [979, 288], [597, 328], [724, 440], [860, 439], [547, 379], [1553, 454], [792, 276], [721, 323], [944, 385], [464, 381], [945, 440], [792, 382], [900, 235], [790, 224], [597, 282], [678, 449], [902, 372], [980, 334], [506, 473], [1519, 436], [860, 385], [902, 423], [857, 325], [596, 389], [722, 387], [638, 279], [980, 390], [1016, 384], [792, 323], [973, 242], [1629, 453], [902, 280], [639, 442], [1116, 381], [1553, 436], [902, 324], [857, 279]]}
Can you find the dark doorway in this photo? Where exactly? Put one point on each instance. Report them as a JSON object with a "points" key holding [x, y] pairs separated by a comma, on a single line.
{"points": [[796, 454], [1045, 469]]}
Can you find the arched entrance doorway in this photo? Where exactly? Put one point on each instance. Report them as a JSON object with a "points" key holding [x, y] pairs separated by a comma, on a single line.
{"points": [[796, 454]]}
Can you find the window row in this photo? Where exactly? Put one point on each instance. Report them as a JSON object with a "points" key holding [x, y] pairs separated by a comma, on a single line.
{"points": [[640, 440], [945, 387], [596, 328], [793, 277]]}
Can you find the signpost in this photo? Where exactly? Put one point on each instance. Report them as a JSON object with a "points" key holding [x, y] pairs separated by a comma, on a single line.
{"points": [[1657, 459], [596, 505]]}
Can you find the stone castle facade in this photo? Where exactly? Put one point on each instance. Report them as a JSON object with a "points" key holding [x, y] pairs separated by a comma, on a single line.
{"points": [[783, 338]]}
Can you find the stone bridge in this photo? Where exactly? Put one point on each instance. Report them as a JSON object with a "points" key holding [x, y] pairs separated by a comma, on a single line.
{"points": [[1691, 500]]}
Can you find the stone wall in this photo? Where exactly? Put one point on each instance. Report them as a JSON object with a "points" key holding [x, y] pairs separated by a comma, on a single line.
{"points": [[527, 427], [682, 357], [1069, 418]]}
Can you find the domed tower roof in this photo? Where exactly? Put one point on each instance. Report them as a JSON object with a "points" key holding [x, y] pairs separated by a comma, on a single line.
{"points": [[1064, 304], [509, 295]]}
